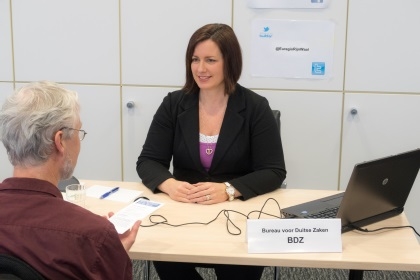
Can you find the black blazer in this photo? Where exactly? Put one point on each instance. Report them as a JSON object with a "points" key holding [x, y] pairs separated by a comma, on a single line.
{"points": [[248, 154]]}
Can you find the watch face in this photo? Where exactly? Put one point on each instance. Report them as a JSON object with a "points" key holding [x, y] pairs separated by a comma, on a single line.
{"points": [[230, 191]]}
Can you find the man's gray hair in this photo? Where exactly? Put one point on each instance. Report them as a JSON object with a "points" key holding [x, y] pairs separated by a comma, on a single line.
{"points": [[30, 118]]}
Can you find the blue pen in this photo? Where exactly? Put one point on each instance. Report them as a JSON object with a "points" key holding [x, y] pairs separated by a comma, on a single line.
{"points": [[109, 193]]}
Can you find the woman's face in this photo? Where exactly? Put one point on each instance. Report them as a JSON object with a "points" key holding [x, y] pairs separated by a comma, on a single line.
{"points": [[207, 66]]}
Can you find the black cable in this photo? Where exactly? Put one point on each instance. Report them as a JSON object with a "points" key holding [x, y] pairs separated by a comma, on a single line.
{"points": [[261, 211], [226, 213], [384, 228], [164, 221]]}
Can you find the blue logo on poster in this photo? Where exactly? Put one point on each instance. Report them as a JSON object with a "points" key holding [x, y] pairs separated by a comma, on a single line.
{"points": [[318, 68], [266, 34]]}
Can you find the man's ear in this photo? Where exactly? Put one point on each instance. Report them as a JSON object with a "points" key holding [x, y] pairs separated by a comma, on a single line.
{"points": [[59, 142]]}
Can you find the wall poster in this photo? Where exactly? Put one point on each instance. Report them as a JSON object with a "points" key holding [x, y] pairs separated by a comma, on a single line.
{"points": [[292, 48]]}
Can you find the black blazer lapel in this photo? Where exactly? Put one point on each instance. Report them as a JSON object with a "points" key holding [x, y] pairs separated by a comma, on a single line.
{"points": [[188, 123], [231, 126]]}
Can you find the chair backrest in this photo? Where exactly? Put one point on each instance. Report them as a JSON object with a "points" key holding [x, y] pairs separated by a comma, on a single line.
{"points": [[64, 183], [12, 266], [277, 114]]}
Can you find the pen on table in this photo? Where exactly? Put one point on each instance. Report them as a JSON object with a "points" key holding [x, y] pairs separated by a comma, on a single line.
{"points": [[109, 193]]}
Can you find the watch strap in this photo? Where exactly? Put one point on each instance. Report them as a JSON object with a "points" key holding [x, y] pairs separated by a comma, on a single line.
{"points": [[230, 191]]}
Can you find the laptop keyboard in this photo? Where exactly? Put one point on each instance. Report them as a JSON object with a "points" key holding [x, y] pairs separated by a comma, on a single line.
{"points": [[325, 214]]}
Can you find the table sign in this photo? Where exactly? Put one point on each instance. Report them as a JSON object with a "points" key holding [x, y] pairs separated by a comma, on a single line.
{"points": [[293, 235]]}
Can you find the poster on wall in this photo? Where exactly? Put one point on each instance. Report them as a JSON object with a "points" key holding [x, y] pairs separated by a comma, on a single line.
{"points": [[288, 4], [301, 49]]}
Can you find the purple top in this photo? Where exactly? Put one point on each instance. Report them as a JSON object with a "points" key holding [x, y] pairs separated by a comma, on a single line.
{"points": [[207, 149]]}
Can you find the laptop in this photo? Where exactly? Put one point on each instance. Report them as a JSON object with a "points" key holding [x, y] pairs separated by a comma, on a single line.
{"points": [[377, 190]]}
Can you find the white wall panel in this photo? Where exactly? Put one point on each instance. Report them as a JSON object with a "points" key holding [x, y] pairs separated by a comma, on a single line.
{"points": [[382, 46], [412, 206], [6, 167], [136, 123], [310, 131], [336, 12], [100, 154], [385, 124], [6, 72], [155, 36], [66, 41]]}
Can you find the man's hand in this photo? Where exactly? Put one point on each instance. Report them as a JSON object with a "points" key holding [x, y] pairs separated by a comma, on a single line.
{"points": [[127, 238]]}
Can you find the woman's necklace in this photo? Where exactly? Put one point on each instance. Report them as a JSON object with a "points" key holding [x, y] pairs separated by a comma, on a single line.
{"points": [[209, 150], [210, 141]]}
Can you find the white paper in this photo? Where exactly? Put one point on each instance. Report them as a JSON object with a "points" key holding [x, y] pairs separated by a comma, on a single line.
{"points": [[122, 195], [124, 219], [292, 48], [288, 4], [294, 235]]}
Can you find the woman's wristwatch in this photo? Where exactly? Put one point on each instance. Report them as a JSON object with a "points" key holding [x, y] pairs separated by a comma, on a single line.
{"points": [[230, 190]]}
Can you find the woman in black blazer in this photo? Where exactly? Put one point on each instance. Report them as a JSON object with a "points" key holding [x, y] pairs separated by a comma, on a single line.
{"points": [[222, 138]]}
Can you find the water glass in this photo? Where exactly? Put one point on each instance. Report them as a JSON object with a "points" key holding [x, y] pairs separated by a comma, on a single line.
{"points": [[76, 193]]}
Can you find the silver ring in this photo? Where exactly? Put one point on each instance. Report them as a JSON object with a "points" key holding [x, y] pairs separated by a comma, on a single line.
{"points": [[208, 197]]}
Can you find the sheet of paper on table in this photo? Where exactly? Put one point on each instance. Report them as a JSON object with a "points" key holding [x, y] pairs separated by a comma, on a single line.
{"points": [[138, 210], [122, 195]]}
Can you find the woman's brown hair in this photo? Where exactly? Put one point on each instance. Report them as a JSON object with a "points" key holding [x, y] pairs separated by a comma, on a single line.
{"points": [[225, 38]]}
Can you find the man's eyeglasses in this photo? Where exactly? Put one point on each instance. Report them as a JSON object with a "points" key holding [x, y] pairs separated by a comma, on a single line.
{"points": [[82, 133]]}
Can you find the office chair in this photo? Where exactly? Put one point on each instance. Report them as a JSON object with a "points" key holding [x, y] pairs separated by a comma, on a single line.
{"points": [[64, 183], [277, 114], [14, 268]]}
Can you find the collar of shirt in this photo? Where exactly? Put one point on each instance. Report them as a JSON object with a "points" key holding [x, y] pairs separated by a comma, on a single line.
{"points": [[29, 185]]}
